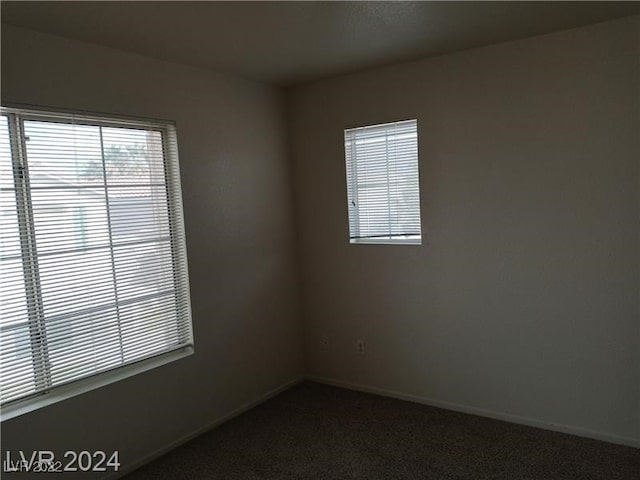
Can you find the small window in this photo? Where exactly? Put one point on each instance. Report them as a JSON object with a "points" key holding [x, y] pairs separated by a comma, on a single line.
{"points": [[93, 268], [383, 189]]}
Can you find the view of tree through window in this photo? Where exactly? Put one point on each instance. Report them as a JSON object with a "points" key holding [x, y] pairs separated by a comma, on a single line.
{"points": [[121, 161]]}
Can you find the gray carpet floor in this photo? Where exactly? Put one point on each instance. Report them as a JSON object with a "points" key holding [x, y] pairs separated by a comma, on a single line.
{"points": [[315, 431]]}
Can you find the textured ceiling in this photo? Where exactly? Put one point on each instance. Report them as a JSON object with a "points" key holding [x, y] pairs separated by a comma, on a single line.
{"points": [[288, 43]]}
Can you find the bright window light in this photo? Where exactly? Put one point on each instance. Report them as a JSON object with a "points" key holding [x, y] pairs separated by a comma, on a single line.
{"points": [[93, 269], [383, 189]]}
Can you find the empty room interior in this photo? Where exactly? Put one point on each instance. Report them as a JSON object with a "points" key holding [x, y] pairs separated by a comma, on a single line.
{"points": [[316, 240]]}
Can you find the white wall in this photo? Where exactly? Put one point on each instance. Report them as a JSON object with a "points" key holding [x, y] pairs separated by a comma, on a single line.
{"points": [[523, 299], [236, 187]]}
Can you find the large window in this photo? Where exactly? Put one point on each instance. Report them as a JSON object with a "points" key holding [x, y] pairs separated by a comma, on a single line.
{"points": [[383, 190], [93, 271]]}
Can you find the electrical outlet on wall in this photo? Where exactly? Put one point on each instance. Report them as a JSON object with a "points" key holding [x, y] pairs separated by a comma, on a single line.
{"points": [[324, 340], [360, 347]]}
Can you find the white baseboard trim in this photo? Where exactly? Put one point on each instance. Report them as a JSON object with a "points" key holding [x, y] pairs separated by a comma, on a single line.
{"points": [[190, 436], [581, 432]]}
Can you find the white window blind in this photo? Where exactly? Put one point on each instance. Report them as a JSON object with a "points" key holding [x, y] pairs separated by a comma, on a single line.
{"points": [[383, 190], [93, 269]]}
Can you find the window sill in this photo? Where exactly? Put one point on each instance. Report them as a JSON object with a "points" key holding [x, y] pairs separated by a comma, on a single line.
{"points": [[64, 392], [386, 241]]}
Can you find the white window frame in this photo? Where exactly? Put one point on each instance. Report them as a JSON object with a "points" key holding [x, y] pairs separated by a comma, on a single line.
{"points": [[354, 164], [54, 393]]}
